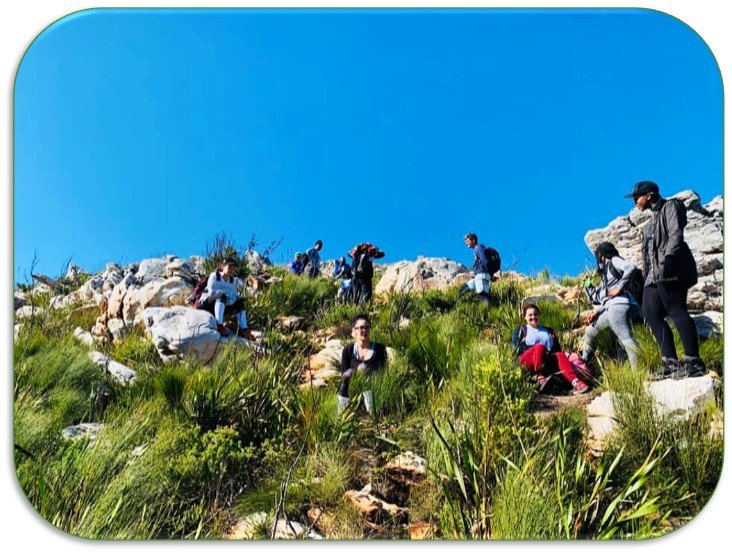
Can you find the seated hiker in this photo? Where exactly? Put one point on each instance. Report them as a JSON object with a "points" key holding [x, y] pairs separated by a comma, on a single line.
{"points": [[486, 263], [221, 298], [616, 306], [311, 260], [342, 271], [363, 271], [540, 354], [296, 266], [360, 355]]}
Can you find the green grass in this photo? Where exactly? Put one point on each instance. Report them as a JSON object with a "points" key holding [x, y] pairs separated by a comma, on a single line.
{"points": [[187, 449]]}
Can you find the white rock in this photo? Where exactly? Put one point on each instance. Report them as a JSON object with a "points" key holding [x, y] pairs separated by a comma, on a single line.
{"points": [[119, 372], [248, 527], [82, 430], [421, 275], [26, 312], [179, 331], [682, 398], [85, 337], [152, 269]]}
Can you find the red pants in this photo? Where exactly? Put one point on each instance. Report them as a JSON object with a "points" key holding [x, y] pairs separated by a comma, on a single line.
{"points": [[538, 360]]}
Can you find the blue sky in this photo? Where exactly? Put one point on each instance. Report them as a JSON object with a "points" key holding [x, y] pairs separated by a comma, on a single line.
{"points": [[145, 132]]}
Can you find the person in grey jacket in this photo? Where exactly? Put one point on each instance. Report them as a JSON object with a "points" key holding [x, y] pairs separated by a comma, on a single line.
{"points": [[615, 307], [669, 272]]}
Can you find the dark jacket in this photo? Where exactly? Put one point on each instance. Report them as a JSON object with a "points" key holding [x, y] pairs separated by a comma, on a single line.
{"points": [[518, 340], [375, 362], [666, 256]]}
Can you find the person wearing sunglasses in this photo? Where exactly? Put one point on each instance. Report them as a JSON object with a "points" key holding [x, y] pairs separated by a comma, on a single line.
{"points": [[360, 355]]}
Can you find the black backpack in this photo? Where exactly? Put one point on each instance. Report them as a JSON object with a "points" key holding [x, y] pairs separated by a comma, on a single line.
{"points": [[494, 260], [635, 284]]}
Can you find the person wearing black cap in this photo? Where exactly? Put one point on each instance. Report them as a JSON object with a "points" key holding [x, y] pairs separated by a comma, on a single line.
{"points": [[669, 271], [221, 298]]}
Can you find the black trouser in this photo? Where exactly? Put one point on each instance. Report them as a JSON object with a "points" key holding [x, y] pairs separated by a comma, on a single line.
{"points": [[669, 299], [362, 289], [209, 303]]}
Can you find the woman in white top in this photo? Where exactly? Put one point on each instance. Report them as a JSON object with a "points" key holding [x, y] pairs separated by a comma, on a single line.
{"points": [[221, 298]]}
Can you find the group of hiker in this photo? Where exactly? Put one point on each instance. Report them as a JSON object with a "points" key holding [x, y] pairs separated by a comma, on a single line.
{"points": [[625, 296], [356, 278]]}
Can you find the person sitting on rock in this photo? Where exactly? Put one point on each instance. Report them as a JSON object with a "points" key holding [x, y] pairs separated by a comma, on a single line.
{"points": [[540, 354], [616, 307], [343, 272], [360, 355], [486, 263], [221, 298], [312, 260], [363, 271], [296, 266]]}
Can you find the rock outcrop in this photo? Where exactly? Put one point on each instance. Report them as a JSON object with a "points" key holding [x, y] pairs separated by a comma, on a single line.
{"points": [[683, 398], [703, 234], [179, 331], [421, 275]]}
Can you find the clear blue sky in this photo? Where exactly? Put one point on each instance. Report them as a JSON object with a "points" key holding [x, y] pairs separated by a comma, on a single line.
{"points": [[145, 132]]}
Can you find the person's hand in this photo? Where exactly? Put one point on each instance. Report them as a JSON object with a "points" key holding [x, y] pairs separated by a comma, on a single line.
{"points": [[612, 293], [591, 318]]}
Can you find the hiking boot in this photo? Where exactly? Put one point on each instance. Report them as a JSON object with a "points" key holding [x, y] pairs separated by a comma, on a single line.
{"points": [[670, 369], [580, 387], [246, 334], [693, 366], [483, 297], [223, 330]]}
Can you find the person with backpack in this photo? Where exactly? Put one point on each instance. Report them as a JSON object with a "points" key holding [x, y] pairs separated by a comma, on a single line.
{"points": [[669, 271], [360, 355], [363, 271], [312, 260], [486, 263], [343, 272], [220, 298], [616, 304], [538, 352]]}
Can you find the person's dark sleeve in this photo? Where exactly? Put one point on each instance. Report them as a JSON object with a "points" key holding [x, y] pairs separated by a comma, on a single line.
{"points": [[345, 359], [556, 347], [515, 337], [378, 254], [382, 359]]}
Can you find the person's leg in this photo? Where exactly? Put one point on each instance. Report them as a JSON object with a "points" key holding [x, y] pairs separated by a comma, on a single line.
{"points": [[564, 366], [619, 316], [533, 359], [655, 314], [673, 297], [343, 389], [367, 289], [591, 333], [219, 309]]}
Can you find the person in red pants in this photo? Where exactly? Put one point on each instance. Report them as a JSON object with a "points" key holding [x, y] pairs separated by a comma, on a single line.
{"points": [[539, 352]]}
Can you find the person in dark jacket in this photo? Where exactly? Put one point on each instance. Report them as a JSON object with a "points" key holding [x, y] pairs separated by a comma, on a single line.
{"points": [[360, 355], [363, 271], [538, 352], [311, 260], [669, 272], [481, 281]]}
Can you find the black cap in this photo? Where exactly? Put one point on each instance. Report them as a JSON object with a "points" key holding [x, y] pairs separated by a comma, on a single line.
{"points": [[228, 260], [644, 187]]}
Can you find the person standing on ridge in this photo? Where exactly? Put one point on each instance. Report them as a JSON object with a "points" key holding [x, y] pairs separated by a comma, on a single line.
{"points": [[312, 260], [363, 270], [669, 272], [486, 263]]}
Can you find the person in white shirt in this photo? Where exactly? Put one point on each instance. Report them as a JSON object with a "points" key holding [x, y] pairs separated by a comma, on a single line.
{"points": [[221, 298]]}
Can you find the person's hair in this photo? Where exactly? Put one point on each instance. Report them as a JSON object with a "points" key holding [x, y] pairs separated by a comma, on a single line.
{"points": [[606, 249], [527, 307], [472, 236], [358, 317], [228, 261], [319, 242]]}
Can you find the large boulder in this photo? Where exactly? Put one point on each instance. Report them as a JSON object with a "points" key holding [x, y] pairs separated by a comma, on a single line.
{"points": [[168, 292], [703, 234], [179, 331], [421, 275], [682, 398], [256, 262]]}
